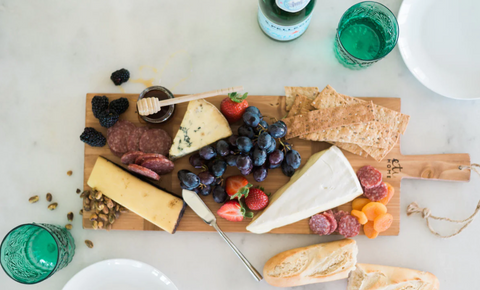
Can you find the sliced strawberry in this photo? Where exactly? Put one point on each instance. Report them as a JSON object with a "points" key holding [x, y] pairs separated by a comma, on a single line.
{"points": [[237, 186], [233, 211], [234, 106], [256, 199]]}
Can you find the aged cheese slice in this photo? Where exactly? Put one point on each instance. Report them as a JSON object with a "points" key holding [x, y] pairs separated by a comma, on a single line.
{"points": [[155, 205], [202, 124], [326, 181]]}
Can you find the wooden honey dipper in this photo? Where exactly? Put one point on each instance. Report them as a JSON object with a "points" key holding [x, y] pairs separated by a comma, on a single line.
{"points": [[149, 106]]}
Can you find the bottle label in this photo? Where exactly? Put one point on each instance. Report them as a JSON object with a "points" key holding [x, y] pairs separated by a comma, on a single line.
{"points": [[292, 5], [279, 32]]}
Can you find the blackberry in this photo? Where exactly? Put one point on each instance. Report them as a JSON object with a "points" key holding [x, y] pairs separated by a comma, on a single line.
{"points": [[108, 118], [93, 138], [99, 105], [120, 76], [119, 106]]}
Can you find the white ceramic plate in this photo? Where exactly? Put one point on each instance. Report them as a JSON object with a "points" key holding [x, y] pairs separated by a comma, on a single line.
{"points": [[120, 274], [440, 43]]}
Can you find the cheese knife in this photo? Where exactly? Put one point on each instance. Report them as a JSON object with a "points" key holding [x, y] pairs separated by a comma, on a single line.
{"points": [[201, 209]]}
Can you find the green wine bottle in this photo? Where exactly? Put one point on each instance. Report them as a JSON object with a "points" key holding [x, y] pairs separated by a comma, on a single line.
{"points": [[285, 20]]}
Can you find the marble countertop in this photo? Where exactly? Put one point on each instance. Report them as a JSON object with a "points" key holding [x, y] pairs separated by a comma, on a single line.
{"points": [[54, 52]]}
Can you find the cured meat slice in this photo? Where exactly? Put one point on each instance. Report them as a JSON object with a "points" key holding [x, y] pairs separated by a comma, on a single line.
{"points": [[319, 224], [143, 171], [134, 138], [369, 176], [349, 226], [155, 141], [377, 193], [161, 165], [339, 214], [118, 154], [117, 136], [333, 222], [130, 157], [140, 159]]}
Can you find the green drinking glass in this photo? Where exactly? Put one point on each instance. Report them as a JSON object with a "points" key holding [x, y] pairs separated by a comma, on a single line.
{"points": [[367, 32], [31, 253]]}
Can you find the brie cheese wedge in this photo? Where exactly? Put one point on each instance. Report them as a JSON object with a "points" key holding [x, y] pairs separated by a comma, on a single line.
{"points": [[202, 125], [326, 181]]}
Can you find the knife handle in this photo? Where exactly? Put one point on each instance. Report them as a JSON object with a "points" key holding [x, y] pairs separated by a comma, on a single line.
{"points": [[239, 254]]}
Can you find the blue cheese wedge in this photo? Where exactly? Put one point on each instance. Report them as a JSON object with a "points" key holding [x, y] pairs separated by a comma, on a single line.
{"points": [[155, 205], [202, 125], [326, 181]]}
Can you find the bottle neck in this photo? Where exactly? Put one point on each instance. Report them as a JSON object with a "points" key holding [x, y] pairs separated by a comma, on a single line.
{"points": [[292, 6]]}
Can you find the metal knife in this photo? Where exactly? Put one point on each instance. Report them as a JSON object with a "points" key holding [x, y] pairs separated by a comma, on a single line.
{"points": [[201, 209]]}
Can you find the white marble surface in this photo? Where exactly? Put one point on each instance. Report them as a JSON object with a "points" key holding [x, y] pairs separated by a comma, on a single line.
{"points": [[53, 52]]}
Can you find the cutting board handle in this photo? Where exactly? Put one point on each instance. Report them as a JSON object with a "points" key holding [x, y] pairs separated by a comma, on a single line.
{"points": [[453, 167]]}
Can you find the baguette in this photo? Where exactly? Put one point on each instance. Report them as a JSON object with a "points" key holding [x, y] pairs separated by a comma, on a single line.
{"points": [[312, 264], [376, 277]]}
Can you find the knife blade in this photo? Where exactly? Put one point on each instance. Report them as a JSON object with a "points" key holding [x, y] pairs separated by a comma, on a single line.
{"points": [[201, 209]]}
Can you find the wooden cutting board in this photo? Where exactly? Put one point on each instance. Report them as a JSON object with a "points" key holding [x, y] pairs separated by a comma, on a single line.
{"points": [[394, 167]]}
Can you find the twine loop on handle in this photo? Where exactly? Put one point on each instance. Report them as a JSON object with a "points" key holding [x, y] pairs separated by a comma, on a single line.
{"points": [[413, 208]]}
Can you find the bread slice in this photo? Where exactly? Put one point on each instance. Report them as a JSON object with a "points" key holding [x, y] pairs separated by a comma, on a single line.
{"points": [[376, 277], [312, 264]]}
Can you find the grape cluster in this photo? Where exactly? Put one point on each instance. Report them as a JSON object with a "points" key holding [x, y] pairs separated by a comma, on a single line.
{"points": [[253, 150]]}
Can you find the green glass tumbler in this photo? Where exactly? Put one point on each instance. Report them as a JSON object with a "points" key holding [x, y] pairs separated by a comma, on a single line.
{"points": [[31, 253], [367, 32]]}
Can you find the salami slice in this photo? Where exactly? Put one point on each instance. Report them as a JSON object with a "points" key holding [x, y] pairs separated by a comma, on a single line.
{"points": [[117, 136], [376, 193], [143, 171], [134, 138], [140, 159], [118, 154], [160, 165], [349, 226], [130, 157], [369, 176], [155, 141], [319, 224], [333, 222], [339, 214]]}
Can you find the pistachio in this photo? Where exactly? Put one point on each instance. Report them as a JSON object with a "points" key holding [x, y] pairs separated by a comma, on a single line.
{"points": [[93, 217], [117, 215], [91, 195], [52, 206], [98, 195], [99, 205], [109, 227], [49, 197], [117, 207], [86, 208], [68, 226], [111, 219], [95, 225], [103, 217], [69, 173], [33, 199], [110, 204], [123, 210], [105, 210], [100, 225], [89, 243], [70, 216], [78, 190], [84, 193], [86, 201], [81, 212]]}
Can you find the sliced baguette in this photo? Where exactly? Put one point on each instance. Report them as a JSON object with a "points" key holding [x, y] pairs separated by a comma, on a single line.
{"points": [[312, 264], [376, 277]]}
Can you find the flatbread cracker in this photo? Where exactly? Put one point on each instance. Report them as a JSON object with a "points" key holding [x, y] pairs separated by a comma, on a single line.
{"points": [[301, 105], [370, 134], [352, 148], [322, 119], [292, 92]]}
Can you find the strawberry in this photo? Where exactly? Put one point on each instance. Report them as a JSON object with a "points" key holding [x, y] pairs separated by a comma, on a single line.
{"points": [[237, 186], [234, 106], [233, 211], [256, 199]]}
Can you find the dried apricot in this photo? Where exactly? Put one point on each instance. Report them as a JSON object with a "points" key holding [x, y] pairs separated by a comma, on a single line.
{"points": [[369, 231], [359, 203], [382, 222], [373, 210], [360, 215], [390, 193]]}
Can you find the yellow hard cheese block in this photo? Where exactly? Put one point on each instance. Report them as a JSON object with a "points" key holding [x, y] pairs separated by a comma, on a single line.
{"points": [[157, 206]]}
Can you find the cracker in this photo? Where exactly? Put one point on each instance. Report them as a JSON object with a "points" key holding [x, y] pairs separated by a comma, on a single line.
{"points": [[352, 148], [292, 92], [322, 119], [301, 105], [370, 134]]}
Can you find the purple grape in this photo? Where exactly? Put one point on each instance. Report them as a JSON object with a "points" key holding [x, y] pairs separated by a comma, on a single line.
{"points": [[207, 152], [223, 148], [276, 158], [247, 171], [252, 109], [244, 162], [293, 158], [203, 190], [232, 140], [218, 167], [244, 144], [206, 177], [260, 173], [251, 119], [264, 140], [263, 125], [259, 156], [231, 160], [278, 129], [272, 147], [246, 131], [287, 169], [219, 194], [196, 161]]}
